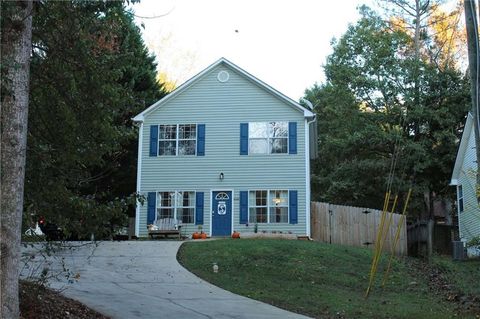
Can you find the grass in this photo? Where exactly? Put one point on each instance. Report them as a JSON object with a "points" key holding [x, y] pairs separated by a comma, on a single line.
{"points": [[319, 280], [464, 275]]}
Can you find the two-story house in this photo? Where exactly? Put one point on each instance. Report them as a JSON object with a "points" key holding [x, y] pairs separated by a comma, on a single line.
{"points": [[225, 151]]}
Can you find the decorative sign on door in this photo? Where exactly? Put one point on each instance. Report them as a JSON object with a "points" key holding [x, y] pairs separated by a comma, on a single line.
{"points": [[222, 208]]}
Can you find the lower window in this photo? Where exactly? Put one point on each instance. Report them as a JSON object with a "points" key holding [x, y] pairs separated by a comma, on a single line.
{"points": [[268, 206], [179, 205]]}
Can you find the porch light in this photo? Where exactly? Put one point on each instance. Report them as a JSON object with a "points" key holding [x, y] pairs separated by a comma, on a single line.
{"points": [[221, 176]]}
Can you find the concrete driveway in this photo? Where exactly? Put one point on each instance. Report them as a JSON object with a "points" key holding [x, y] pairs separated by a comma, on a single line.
{"points": [[144, 280]]}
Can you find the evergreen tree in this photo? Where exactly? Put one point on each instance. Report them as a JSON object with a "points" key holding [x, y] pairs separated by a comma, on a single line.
{"points": [[90, 74], [374, 105]]}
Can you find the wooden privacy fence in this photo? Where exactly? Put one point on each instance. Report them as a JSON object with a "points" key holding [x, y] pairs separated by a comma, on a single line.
{"points": [[354, 226]]}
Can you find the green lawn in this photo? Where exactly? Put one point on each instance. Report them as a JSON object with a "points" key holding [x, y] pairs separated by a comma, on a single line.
{"points": [[320, 280], [465, 276]]}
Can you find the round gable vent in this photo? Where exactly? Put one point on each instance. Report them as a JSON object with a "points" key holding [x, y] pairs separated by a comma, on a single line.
{"points": [[223, 76]]}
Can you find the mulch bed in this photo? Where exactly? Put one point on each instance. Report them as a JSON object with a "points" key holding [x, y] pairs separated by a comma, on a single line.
{"points": [[39, 302]]}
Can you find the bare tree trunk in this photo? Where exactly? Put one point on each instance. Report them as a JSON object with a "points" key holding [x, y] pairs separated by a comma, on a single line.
{"points": [[473, 56], [16, 50]]}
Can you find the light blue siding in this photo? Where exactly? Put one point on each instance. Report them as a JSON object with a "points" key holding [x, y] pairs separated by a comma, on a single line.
{"points": [[222, 107], [469, 219]]}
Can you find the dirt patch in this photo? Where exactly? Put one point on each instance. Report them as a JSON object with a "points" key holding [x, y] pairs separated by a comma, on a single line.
{"points": [[42, 303]]}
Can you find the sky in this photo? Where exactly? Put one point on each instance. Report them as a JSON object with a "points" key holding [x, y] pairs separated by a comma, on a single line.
{"points": [[284, 43]]}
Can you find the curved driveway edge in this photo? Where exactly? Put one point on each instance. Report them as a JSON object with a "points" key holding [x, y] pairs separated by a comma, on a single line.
{"points": [[144, 280]]}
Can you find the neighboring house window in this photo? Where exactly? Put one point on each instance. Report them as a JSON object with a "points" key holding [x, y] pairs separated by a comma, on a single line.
{"points": [[268, 206], [180, 139], [176, 205], [460, 198], [268, 137]]}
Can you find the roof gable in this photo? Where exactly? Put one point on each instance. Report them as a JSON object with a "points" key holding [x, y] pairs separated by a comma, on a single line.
{"points": [[306, 112], [467, 131]]}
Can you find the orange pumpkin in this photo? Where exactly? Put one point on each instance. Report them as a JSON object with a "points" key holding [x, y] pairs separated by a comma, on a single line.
{"points": [[203, 235], [196, 235], [236, 234]]}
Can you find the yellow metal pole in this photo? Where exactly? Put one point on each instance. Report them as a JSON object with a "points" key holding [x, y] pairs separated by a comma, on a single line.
{"points": [[383, 237], [397, 237], [381, 226], [390, 220], [377, 252]]}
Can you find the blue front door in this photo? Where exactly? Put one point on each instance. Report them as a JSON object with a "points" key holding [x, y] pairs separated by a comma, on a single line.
{"points": [[221, 213]]}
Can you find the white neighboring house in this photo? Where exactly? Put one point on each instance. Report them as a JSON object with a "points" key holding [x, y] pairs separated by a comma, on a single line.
{"points": [[464, 178]]}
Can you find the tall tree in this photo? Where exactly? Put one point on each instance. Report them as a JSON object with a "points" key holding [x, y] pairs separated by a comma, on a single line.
{"points": [[379, 100], [91, 72], [16, 26]]}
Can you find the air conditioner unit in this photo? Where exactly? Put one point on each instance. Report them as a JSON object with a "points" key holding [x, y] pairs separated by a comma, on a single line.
{"points": [[459, 250]]}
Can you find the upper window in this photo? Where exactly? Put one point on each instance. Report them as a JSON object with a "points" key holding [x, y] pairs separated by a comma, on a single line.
{"points": [[268, 206], [268, 137], [179, 139], [176, 205]]}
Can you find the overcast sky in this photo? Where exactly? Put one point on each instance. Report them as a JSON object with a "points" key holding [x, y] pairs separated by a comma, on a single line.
{"points": [[283, 43]]}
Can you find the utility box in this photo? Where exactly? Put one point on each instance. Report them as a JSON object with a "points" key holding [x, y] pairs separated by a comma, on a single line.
{"points": [[459, 250]]}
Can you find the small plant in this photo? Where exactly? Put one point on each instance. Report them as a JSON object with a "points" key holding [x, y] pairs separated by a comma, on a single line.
{"points": [[474, 242], [474, 245], [255, 228]]}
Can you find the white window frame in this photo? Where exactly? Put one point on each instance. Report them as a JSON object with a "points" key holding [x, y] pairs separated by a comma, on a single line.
{"points": [[178, 139], [269, 205], [268, 138], [175, 207]]}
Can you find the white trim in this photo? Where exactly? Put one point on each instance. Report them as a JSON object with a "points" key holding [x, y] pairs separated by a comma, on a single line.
{"points": [[211, 207], [306, 113], [307, 177], [139, 178], [467, 130]]}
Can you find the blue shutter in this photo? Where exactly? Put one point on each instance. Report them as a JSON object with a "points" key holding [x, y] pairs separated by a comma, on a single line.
{"points": [[152, 196], [293, 209], [201, 140], [243, 207], [292, 137], [154, 140], [243, 138], [199, 208]]}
